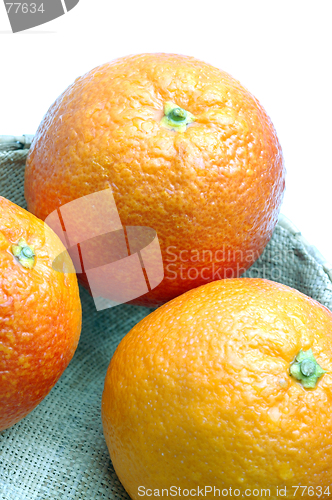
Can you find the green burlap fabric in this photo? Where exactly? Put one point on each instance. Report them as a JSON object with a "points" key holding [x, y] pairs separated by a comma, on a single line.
{"points": [[58, 451]]}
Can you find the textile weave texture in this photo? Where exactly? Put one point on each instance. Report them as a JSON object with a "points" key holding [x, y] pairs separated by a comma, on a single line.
{"points": [[58, 452]]}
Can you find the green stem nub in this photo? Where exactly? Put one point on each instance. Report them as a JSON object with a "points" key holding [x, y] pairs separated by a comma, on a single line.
{"points": [[24, 253], [306, 369], [177, 115], [176, 118]]}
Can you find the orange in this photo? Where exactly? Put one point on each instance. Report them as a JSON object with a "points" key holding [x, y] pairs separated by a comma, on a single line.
{"points": [[199, 393], [186, 150], [40, 313]]}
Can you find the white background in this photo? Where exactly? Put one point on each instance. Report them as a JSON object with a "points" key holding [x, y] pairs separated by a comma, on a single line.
{"points": [[280, 50]]}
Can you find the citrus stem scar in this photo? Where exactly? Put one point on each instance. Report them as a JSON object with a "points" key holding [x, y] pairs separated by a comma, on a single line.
{"points": [[176, 118], [305, 369], [24, 253]]}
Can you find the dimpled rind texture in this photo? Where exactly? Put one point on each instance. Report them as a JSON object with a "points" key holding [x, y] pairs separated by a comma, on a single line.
{"points": [[199, 392], [215, 188], [40, 315]]}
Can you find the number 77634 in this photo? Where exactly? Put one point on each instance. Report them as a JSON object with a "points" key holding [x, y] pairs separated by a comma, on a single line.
{"points": [[25, 7]]}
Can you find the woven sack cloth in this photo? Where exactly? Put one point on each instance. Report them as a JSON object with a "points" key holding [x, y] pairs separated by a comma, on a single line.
{"points": [[58, 451]]}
